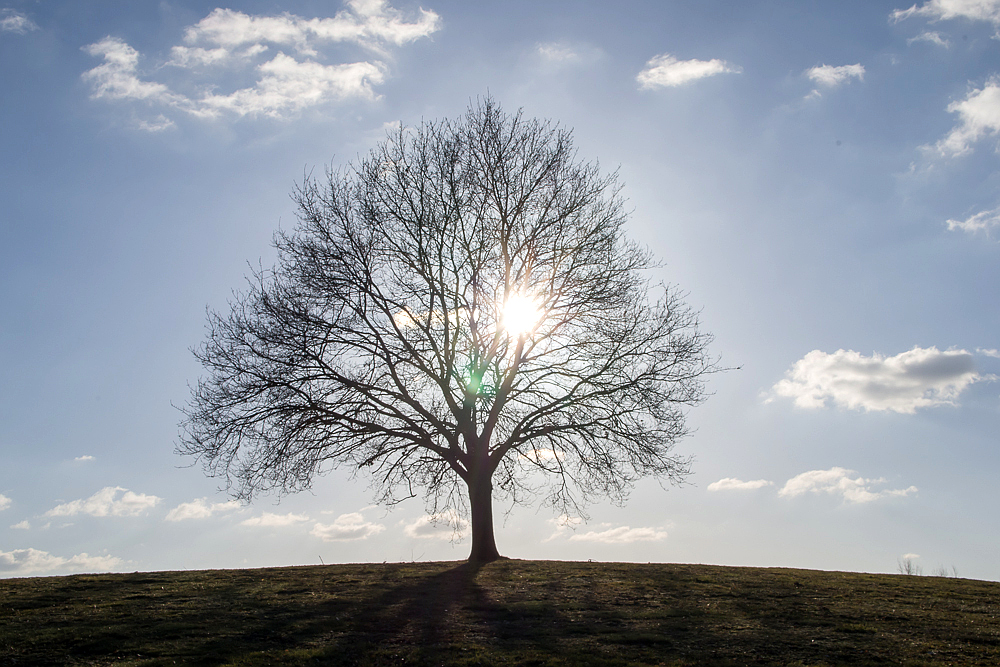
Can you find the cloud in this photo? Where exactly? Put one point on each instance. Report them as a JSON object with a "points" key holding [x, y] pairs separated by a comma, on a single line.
{"points": [[989, 353], [984, 221], [16, 22], [84, 458], [837, 481], [441, 526], [666, 71], [200, 508], [831, 77], [555, 55], [33, 561], [369, 23], [287, 86], [943, 10], [919, 378], [116, 78], [557, 52], [563, 525], [979, 117], [271, 520], [932, 37], [910, 556], [220, 48], [346, 527], [4, 502], [109, 501], [621, 535], [733, 484], [22, 525]]}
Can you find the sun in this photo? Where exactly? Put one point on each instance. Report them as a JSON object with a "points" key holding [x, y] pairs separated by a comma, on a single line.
{"points": [[520, 315]]}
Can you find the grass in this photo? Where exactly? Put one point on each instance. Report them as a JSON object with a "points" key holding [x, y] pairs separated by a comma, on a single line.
{"points": [[539, 613]]}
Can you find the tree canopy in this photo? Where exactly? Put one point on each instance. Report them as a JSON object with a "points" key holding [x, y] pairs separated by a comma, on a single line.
{"points": [[459, 312]]}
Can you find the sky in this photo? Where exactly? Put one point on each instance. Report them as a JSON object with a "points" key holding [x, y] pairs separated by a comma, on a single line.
{"points": [[820, 179]]}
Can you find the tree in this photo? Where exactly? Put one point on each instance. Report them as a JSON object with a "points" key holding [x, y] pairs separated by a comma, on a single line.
{"points": [[460, 311]]}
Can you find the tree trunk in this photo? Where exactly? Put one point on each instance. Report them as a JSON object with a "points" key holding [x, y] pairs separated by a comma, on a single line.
{"points": [[484, 546]]}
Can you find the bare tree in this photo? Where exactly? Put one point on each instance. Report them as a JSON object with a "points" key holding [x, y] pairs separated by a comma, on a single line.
{"points": [[458, 312]]}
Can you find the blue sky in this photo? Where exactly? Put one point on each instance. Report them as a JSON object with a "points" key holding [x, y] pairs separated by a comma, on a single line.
{"points": [[820, 178]]}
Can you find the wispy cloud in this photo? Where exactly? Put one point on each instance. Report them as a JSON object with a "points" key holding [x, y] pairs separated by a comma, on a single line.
{"points": [[200, 508], [943, 10], [558, 55], [666, 71], [931, 38], [84, 458], [226, 43], [33, 561], [22, 525], [906, 382], [979, 117], [5, 502], [564, 525], [621, 535], [346, 527], [441, 526], [16, 22], [109, 501], [832, 76], [271, 520], [839, 482], [733, 484], [984, 221]]}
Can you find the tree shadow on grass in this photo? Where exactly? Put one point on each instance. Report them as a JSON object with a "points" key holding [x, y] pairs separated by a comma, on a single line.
{"points": [[443, 618]]}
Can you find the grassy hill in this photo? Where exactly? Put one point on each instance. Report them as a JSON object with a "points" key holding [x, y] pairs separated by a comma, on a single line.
{"points": [[506, 613]]}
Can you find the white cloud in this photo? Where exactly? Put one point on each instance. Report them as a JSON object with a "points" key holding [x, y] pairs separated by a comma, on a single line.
{"points": [[157, 124], [14, 21], [4, 502], [621, 535], [369, 23], [733, 484], [557, 52], [226, 43], [837, 481], [943, 10], [984, 221], [116, 78], [979, 117], [989, 353], [200, 508], [271, 520], [831, 76], [910, 556], [919, 378], [288, 85], [84, 458], [109, 501], [932, 37], [22, 525], [667, 71], [33, 561], [441, 526], [347, 527]]}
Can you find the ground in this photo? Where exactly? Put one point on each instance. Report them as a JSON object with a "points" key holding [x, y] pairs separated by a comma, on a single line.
{"points": [[508, 612]]}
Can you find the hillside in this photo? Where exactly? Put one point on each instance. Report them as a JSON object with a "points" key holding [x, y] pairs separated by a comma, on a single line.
{"points": [[506, 613]]}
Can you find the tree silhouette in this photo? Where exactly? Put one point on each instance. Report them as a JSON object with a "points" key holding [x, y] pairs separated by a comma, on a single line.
{"points": [[458, 312]]}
